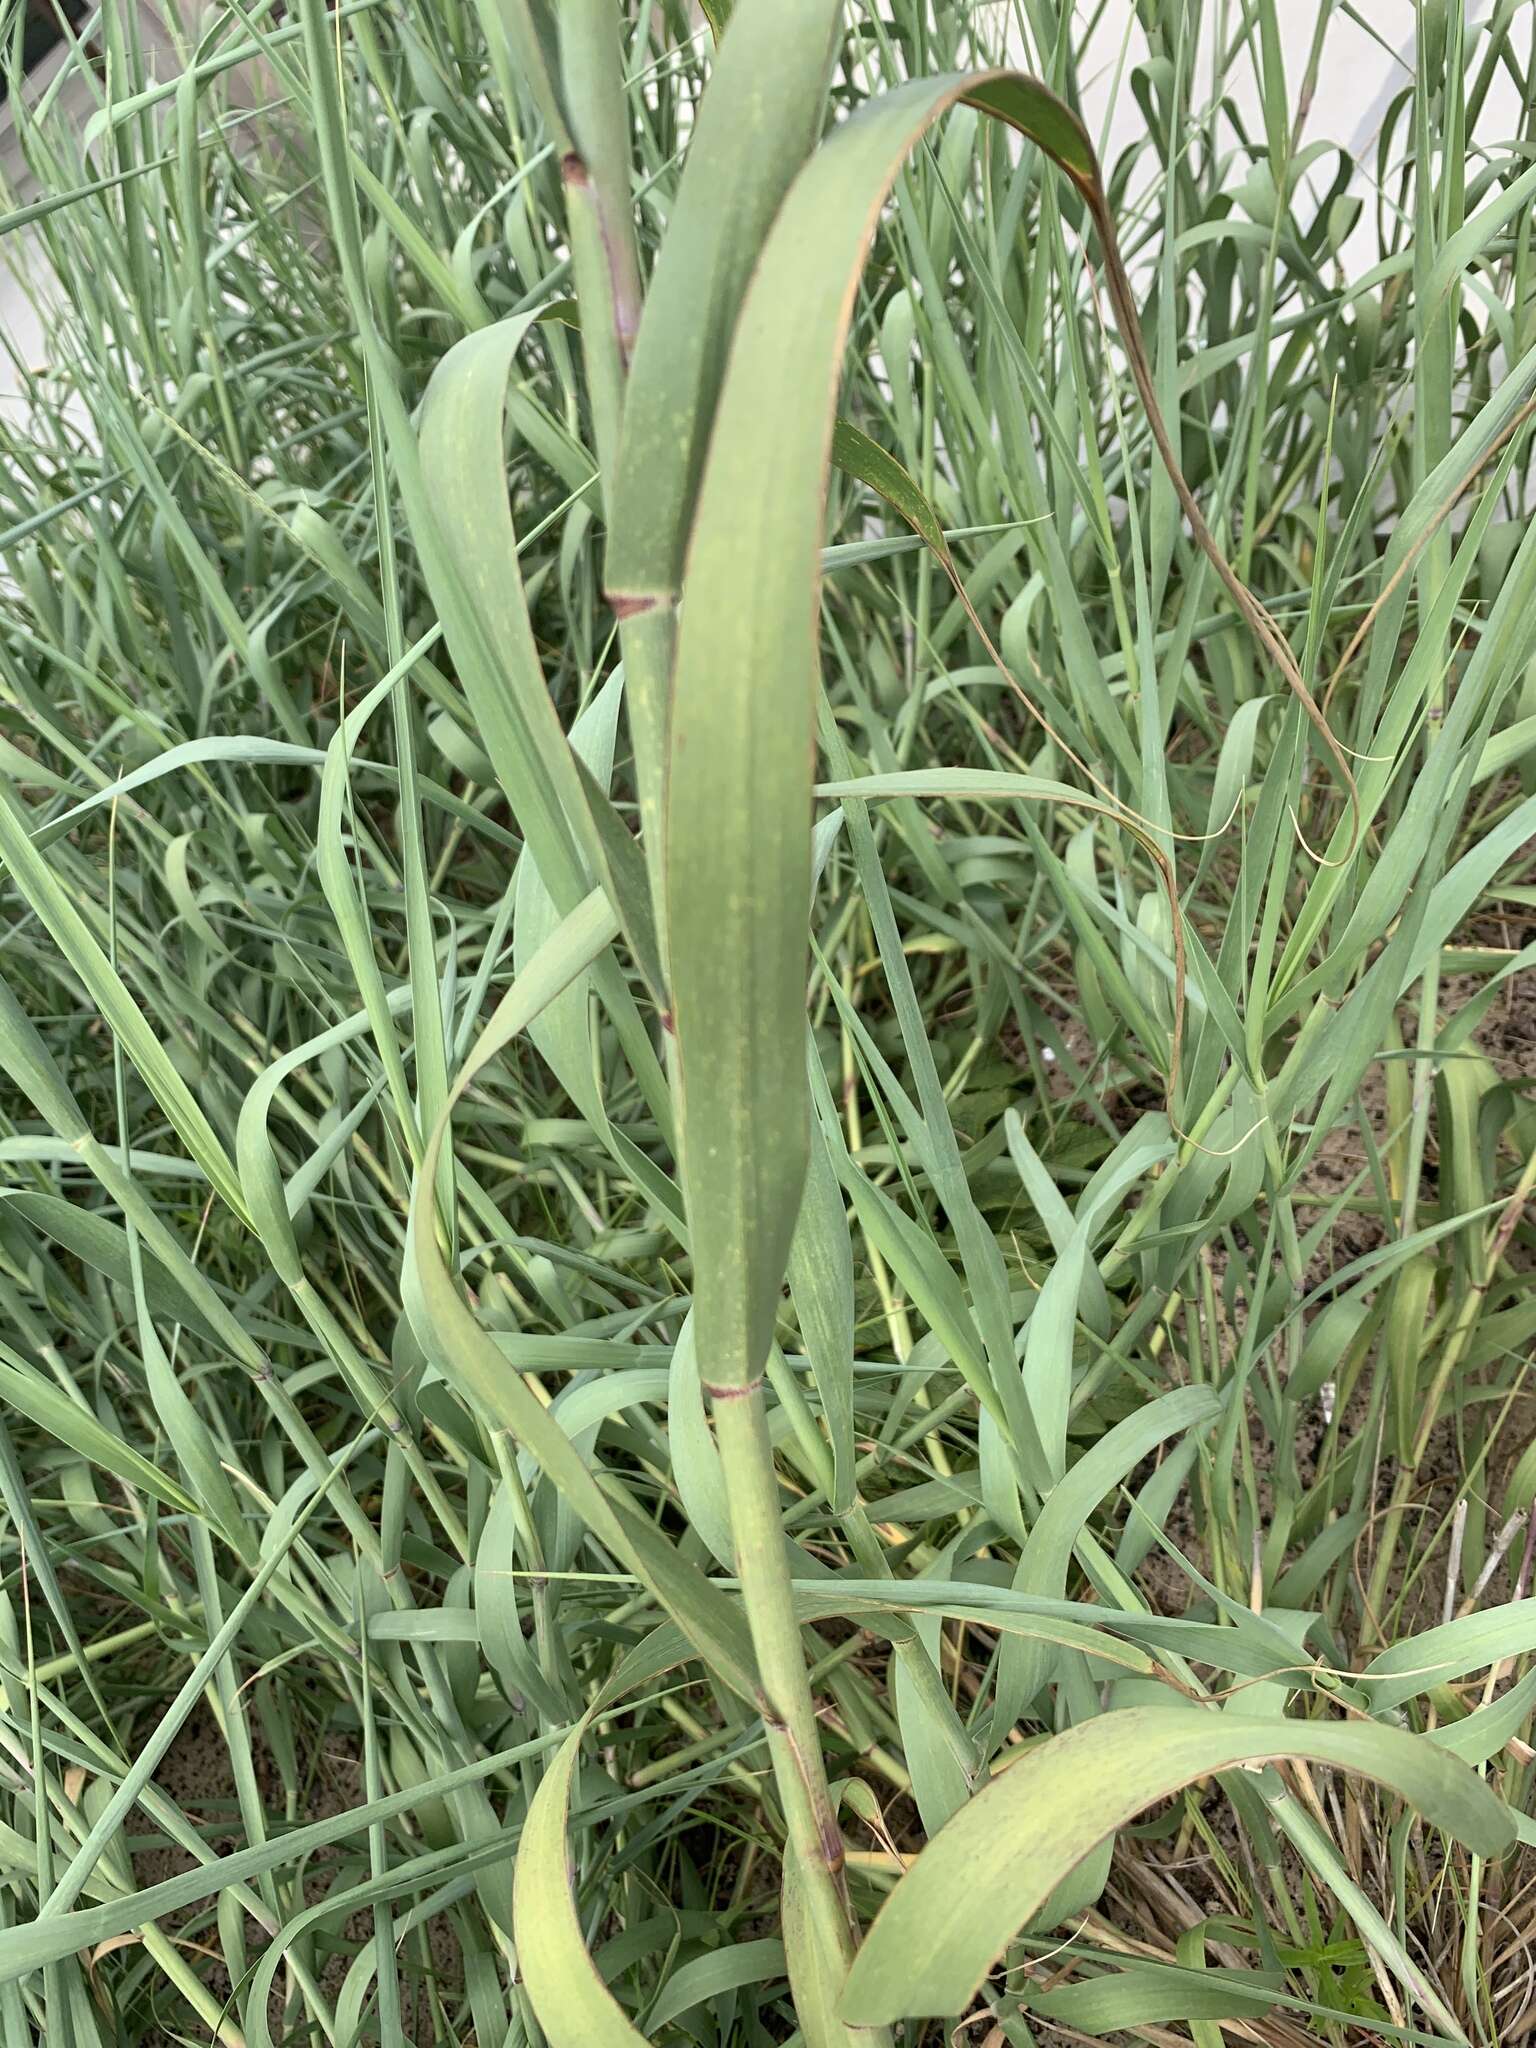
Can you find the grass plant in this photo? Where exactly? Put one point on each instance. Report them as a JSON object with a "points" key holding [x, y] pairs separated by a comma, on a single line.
{"points": [[766, 1031]]}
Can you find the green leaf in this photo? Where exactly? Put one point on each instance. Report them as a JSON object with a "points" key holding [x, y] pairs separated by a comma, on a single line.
{"points": [[743, 706], [1150, 1994], [821, 1286], [990, 1870], [573, 2003], [755, 126], [724, 1969], [72, 1424], [1042, 1567], [1439, 1656], [463, 523]]}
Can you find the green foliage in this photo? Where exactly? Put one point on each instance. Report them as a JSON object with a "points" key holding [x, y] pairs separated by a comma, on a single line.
{"points": [[765, 1021]]}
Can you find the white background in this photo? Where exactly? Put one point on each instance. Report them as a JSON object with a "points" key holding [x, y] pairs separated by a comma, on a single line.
{"points": [[1360, 74]]}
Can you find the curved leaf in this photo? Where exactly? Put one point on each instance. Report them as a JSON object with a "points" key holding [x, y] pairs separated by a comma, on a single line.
{"points": [[572, 2001], [1042, 1567], [992, 1868], [737, 800]]}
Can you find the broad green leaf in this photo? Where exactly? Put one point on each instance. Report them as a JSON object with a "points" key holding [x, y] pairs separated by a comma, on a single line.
{"points": [[992, 1868], [571, 2000], [456, 498], [1151, 1994], [754, 127], [573, 2003], [1484, 1732], [737, 797], [1439, 1656], [724, 1969], [858, 456]]}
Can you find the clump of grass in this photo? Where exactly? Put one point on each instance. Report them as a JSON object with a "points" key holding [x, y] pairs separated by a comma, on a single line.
{"points": [[766, 1041]]}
